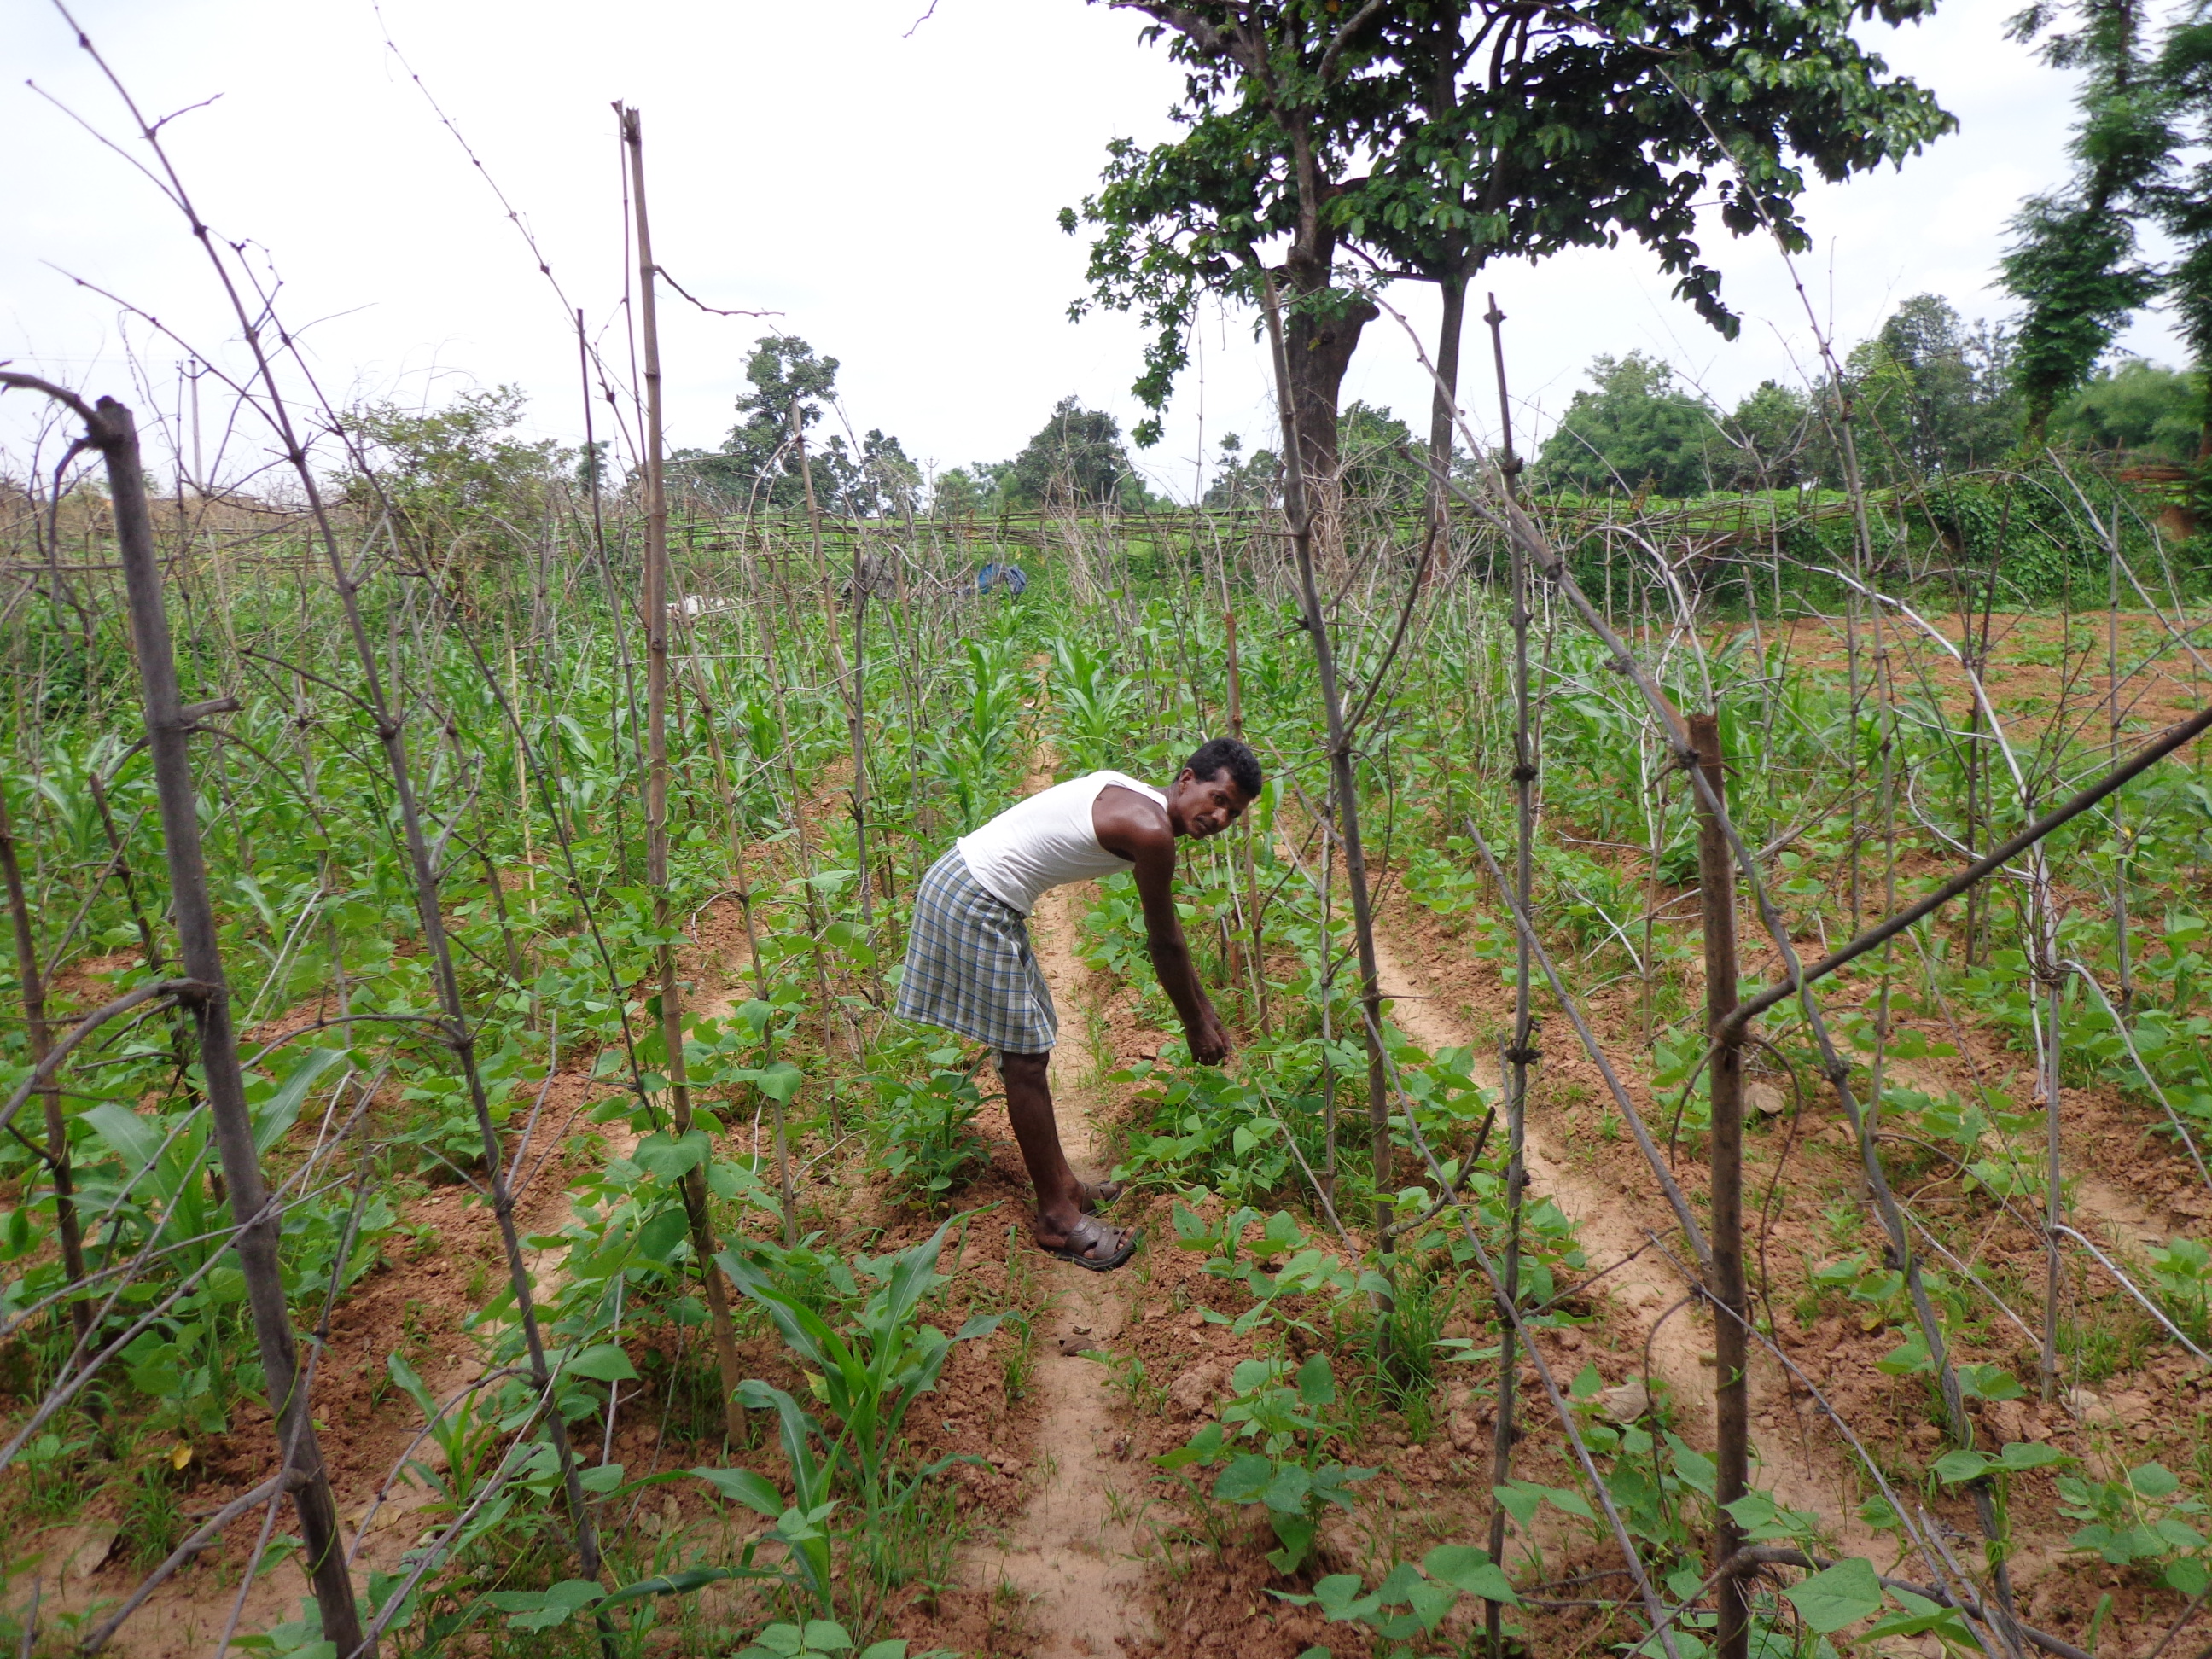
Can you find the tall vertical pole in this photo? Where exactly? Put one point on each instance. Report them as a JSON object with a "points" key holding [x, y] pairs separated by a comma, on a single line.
{"points": [[2127, 999], [1301, 513], [1522, 1051], [1731, 1346], [35, 1029], [258, 1218], [656, 793]]}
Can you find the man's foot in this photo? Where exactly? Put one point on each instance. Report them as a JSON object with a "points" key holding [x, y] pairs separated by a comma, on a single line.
{"points": [[1094, 1195], [1089, 1243]]}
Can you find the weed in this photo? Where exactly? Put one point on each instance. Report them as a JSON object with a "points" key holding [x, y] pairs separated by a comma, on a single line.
{"points": [[2182, 1270], [925, 1130], [2105, 1337], [1408, 1337], [1128, 1376], [152, 1521], [1018, 1364], [51, 1481]]}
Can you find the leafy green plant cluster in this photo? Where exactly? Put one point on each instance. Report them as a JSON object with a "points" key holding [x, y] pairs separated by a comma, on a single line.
{"points": [[867, 1372], [1268, 1448], [924, 1127], [2142, 1520]]}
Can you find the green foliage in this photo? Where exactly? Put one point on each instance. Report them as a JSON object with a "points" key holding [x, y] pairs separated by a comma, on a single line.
{"points": [[1767, 438], [2137, 1521], [2073, 261], [1303, 1269], [1267, 1447], [1093, 703], [1933, 396], [758, 462], [2182, 1270], [961, 492], [1244, 481], [1633, 433], [924, 1128], [824, 1638], [1074, 461], [1381, 458], [2135, 407], [453, 476], [1429, 157], [1836, 1596], [870, 1373], [1411, 1602]]}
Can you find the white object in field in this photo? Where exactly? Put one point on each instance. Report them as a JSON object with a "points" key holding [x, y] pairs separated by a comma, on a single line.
{"points": [[1625, 1404], [700, 604], [1046, 842]]}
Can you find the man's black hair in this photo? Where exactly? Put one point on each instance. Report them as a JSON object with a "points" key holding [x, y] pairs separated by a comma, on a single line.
{"points": [[1218, 755]]}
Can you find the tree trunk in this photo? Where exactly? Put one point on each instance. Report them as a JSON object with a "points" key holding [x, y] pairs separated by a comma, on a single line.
{"points": [[1318, 347], [1442, 406]]}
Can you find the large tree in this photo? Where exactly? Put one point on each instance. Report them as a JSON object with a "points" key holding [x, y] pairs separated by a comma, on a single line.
{"points": [[790, 389], [1522, 130], [2073, 258], [1076, 459], [1432, 137], [1935, 394], [1277, 99], [1632, 429]]}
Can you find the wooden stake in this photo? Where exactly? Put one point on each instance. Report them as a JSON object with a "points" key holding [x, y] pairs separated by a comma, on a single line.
{"points": [[703, 1244], [1731, 1347], [57, 1155], [260, 1220], [1523, 1051]]}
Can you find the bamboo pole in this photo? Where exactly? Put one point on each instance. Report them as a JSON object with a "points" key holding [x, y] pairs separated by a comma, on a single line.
{"points": [[694, 1182]]}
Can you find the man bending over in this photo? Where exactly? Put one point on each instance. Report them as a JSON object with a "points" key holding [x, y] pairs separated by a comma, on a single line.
{"points": [[970, 967]]}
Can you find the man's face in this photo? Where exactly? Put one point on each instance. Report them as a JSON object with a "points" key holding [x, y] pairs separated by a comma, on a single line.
{"points": [[1205, 806]]}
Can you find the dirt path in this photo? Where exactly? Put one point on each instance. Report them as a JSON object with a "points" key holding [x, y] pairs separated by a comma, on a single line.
{"points": [[1069, 1553], [1612, 1221]]}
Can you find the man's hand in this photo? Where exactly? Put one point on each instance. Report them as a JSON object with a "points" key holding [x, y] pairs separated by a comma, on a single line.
{"points": [[1209, 1042]]}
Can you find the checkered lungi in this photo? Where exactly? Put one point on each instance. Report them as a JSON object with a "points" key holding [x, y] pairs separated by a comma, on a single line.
{"points": [[970, 968]]}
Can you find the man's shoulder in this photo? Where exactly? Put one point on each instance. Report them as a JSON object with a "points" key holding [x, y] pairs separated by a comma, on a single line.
{"points": [[1130, 792], [1136, 819]]}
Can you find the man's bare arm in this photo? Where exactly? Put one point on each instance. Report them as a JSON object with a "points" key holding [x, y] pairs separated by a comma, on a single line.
{"points": [[1136, 828]]}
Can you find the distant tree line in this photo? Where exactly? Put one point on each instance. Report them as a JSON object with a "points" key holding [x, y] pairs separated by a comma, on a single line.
{"points": [[1077, 460], [1929, 395]]}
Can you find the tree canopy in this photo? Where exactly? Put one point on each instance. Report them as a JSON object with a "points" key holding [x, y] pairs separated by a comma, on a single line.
{"points": [[759, 463], [2139, 148], [457, 471], [1429, 137], [1631, 430], [1075, 459], [2133, 407], [1934, 395]]}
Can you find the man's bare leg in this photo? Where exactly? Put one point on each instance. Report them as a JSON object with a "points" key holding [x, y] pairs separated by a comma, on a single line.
{"points": [[1036, 1128]]}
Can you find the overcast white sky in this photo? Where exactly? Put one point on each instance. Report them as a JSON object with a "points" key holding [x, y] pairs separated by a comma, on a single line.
{"points": [[888, 186]]}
